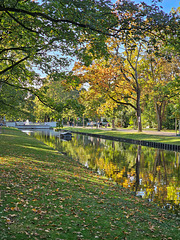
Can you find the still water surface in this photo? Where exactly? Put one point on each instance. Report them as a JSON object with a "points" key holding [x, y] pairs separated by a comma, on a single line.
{"points": [[150, 173]]}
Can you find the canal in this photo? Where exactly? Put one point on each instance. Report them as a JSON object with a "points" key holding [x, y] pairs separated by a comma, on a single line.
{"points": [[150, 173]]}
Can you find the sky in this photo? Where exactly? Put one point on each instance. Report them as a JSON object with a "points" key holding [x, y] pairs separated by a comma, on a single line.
{"points": [[166, 4]]}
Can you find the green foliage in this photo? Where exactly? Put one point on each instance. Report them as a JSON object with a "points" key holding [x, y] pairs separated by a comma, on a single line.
{"points": [[172, 112], [64, 103], [33, 34], [15, 103], [39, 31], [59, 124]]}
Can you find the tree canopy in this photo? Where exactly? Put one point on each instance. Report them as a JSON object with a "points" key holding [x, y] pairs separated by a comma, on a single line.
{"points": [[48, 35]]}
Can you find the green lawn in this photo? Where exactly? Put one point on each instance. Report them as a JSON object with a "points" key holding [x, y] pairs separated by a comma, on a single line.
{"points": [[131, 135], [46, 195]]}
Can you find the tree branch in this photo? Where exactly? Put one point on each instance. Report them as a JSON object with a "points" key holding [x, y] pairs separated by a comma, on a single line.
{"points": [[45, 16], [15, 48], [13, 65], [29, 29], [123, 103], [31, 91]]}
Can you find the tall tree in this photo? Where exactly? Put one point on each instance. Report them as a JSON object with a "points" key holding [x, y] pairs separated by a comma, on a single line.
{"points": [[116, 79]]}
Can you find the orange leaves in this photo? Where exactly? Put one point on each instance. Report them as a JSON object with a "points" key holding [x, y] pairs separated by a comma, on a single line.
{"points": [[96, 74], [107, 81], [39, 211], [16, 208], [34, 210]]}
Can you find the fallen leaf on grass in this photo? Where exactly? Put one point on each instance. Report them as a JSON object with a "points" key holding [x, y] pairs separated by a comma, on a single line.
{"points": [[152, 228], [8, 221]]}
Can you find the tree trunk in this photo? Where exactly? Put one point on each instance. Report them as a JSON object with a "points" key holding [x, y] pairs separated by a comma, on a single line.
{"points": [[96, 122], [45, 118], [83, 121], [138, 92], [138, 111], [159, 119], [113, 125], [160, 110]]}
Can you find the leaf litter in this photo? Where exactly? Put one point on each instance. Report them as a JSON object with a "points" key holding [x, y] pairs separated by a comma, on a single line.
{"points": [[46, 195]]}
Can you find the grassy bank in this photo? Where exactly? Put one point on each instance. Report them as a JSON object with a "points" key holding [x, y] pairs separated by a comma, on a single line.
{"points": [[46, 195], [131, 135]]}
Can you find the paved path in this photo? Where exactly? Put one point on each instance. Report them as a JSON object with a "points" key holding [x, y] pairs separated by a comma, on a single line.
{"points": [[152, 132]]}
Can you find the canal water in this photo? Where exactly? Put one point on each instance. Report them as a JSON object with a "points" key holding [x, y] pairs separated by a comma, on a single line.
{"points": [[150, 173]]}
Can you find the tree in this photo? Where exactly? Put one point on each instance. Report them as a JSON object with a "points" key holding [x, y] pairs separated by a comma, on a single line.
{"points": [[40, 29], [91, 102], [161, 82], [48, 35], [66, 100], [116, 79]]}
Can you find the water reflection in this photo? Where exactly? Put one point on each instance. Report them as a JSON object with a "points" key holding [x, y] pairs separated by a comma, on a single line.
{"points": [[151, 173]]}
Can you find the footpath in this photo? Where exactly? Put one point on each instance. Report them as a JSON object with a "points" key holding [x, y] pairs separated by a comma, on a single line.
{"points": [[145, 131]]}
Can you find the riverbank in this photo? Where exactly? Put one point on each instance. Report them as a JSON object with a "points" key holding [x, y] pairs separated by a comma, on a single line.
{"points": [[163, 137], [46, 195]]}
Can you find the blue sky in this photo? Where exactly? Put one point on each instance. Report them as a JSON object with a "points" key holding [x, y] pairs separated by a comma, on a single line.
{"points": [[166, 4]]}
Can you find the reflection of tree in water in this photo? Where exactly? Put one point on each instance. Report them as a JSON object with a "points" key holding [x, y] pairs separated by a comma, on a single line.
{"points": [[163, 181], [152, 173], [159, 176], [138, 157]]}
